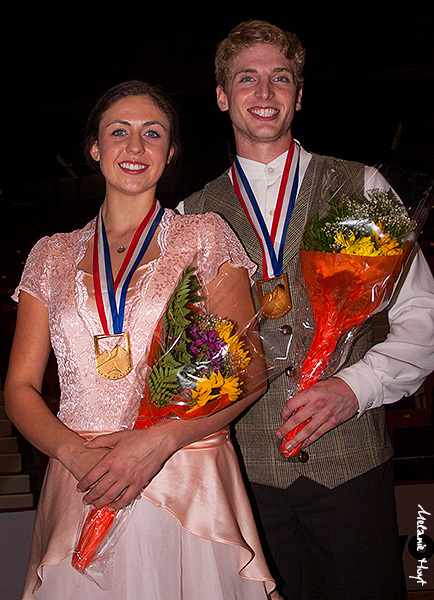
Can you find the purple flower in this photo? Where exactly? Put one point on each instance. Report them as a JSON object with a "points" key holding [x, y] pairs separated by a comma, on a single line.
{"points": [[205, 344]]}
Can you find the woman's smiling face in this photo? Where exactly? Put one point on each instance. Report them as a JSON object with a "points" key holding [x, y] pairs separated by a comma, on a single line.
{"points": [[133, 146]]}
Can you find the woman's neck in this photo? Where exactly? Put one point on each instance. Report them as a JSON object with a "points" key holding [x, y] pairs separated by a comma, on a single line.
{"points": [[123, 216]]}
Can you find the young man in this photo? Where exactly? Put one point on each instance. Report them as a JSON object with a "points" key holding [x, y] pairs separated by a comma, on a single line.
{"points": [[328, 515]]}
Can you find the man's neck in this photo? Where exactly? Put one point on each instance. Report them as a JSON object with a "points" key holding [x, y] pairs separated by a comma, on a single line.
{"points": [[263, 152]]}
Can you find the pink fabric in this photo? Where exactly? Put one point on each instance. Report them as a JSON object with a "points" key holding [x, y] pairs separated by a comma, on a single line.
{"points": [[184, 567], [201, 485], [209, 502], [87, 401]]}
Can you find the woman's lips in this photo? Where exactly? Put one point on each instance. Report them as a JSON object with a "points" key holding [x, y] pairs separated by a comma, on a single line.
{"points": [[133, 167]]}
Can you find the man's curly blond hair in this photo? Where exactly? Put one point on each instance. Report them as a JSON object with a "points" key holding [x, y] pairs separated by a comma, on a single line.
{"points": [[254, 32]]}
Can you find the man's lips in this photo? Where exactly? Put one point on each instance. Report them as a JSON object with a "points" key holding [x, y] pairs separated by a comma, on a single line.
{"points": [[133, 167], [264, 112]]}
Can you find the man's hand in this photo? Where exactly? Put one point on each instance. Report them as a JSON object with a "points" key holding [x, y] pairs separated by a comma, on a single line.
{"points": [[328, 403], [132, 459]]}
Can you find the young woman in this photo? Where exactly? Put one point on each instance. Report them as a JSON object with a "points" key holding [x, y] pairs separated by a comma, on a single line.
{"points": [[191, 534]]}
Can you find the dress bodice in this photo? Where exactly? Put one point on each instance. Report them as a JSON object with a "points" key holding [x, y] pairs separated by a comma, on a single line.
{"points": [[89, 402]]}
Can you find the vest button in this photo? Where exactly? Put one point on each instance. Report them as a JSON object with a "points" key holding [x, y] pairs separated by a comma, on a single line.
{"points": [[291, 371], [303, 456], [286, 329]]}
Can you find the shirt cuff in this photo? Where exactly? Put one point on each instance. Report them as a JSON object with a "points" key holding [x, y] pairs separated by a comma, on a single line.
{"points": [[365, 385]]}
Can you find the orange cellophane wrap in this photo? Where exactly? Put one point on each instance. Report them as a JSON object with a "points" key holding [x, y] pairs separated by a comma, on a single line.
{"points": [[344, 291], [99, 521]]}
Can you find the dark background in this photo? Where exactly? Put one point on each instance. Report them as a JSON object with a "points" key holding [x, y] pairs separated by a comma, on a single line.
{"points": [[368, 96]]}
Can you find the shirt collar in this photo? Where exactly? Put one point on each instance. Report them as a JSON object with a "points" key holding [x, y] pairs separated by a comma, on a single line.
{"points": [[257, 170]]}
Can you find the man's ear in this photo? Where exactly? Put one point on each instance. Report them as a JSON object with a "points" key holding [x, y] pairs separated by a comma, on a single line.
{"points": [[222, 99], [298, 102]]}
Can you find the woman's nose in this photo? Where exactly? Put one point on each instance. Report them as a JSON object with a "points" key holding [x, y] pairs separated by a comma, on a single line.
{"points": [[135, 143]]}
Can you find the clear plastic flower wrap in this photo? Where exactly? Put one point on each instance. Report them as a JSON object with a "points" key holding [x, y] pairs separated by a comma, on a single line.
{"points": [[98, 532], [351, 260], [197, 364]]}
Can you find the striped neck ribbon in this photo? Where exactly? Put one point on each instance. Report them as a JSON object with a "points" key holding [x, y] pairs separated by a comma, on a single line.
{"points": [[111, 294], [272, 242]]}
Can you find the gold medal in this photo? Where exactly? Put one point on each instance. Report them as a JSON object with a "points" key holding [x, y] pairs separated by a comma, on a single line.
{"points": [[277, 303], [116, 362]]}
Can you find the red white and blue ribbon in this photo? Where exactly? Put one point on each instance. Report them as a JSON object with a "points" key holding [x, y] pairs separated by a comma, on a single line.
{"points": [[111, 294], [272, 242]]}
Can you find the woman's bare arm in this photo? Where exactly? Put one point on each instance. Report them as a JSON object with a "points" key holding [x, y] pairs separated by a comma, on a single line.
{"points": [[23, 401]]}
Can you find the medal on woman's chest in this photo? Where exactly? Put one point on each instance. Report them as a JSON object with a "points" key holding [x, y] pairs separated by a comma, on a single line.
{"points": [[273, 290], [113, 347], [114, 362]]}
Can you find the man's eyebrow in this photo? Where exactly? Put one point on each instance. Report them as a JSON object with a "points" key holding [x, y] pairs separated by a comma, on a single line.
{"points": [[253, 70], [247, 70]]}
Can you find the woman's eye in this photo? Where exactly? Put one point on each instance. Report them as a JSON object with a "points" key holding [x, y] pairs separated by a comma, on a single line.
{"points": [[151, 133], [118, 132]]}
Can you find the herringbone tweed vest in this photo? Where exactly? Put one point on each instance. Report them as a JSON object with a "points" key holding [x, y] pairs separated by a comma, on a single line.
{"points": [[357, 445]]}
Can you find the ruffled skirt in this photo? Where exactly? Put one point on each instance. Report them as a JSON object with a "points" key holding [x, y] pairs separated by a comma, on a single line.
{"points": [[191, 535]]}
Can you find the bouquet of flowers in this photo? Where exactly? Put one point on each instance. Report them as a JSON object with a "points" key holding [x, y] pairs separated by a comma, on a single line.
{"points": [[197, 361], [350, 261], [195, 366]]}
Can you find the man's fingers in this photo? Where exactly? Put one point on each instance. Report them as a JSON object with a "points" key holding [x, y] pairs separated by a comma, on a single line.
{"points": [[91, 478]]}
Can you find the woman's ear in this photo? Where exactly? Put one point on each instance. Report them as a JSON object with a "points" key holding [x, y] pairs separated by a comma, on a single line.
{"points": [[170, 155], [94, 151]]}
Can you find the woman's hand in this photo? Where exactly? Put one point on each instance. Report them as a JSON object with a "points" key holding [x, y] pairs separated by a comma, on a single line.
{"points": [[132, 458]]}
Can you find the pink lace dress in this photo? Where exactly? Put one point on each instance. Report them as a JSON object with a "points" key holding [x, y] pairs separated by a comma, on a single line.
{"points": [[191, 534]]}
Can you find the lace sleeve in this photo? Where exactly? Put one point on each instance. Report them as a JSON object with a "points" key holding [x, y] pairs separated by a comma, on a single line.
{"points": [[35, 276], [219, 244]]}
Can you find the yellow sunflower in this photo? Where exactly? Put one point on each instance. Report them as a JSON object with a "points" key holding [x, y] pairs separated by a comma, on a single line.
{"points": [[363, 246], [210, 388], [231, 387], [235, 345]]}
